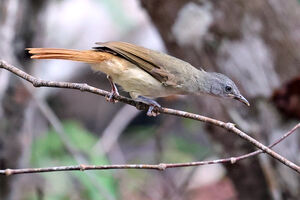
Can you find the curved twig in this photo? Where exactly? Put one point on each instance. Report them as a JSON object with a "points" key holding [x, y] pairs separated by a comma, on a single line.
{"points": [[161, 166], [141, 106]]}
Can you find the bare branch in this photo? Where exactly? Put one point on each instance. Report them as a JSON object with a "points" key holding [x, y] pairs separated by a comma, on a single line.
{"points": [[161, 166], [141, 106]]}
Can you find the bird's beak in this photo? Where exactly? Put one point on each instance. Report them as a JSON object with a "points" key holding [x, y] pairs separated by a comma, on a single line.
{"points": [[242, 99]]}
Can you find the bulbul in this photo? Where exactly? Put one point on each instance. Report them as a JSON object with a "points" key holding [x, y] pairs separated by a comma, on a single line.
{"points": [[146, 74]]}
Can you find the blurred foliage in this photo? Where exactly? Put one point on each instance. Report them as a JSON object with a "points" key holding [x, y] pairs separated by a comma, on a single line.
{"points": [[48, 150], [140, 133], [177, 147], [184, 150]]}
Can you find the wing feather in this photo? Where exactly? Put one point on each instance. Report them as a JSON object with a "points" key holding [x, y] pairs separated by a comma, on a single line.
{"points": [[141, 57]]}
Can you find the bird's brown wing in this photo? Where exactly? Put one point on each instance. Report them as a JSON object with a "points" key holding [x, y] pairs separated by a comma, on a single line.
{"points": [[150, 61]]}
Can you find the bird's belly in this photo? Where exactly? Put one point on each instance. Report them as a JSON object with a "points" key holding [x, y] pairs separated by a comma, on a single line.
{"points": [[139, 82], [133, 79]]}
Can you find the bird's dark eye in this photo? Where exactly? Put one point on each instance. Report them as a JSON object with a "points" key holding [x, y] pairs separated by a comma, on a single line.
{"points": [[228, 88]]}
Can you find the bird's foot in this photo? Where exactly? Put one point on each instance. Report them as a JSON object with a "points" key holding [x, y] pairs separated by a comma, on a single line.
{"points": [[111, 97], [152, 112], [114, 91], [153, 105]]}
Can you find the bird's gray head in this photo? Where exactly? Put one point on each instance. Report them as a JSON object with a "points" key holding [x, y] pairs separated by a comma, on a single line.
{"points": [[220, 85]]}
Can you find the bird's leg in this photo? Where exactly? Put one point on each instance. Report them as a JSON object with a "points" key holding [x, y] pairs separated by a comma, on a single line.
{"points": [[152, 104], [114, 91]]}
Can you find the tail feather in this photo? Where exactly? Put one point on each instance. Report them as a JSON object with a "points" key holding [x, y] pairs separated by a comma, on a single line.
{"points": [[88, 56]]}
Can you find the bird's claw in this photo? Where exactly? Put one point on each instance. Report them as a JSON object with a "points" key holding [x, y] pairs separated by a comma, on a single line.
{"points": [[152, 111], [153, 105], [111, 97]]}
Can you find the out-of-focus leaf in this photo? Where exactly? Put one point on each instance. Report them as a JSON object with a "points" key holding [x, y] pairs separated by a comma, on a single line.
{"points": [[190, 147], [49, 150], [178, 149], [192, 126], [141, 134]]}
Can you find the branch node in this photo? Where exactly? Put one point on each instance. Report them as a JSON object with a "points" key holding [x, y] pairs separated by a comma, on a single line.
{"points": [[83, 87], [37, 82], [233, 160], [229, 125], [8, 172], [82, 167], [162, 166]]}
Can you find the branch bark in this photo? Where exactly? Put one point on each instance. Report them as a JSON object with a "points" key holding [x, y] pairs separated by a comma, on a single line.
{"points": [[141, 106]]}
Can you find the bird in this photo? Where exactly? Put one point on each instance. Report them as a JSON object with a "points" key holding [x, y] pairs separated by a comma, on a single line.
{"points": [[144, 73]]}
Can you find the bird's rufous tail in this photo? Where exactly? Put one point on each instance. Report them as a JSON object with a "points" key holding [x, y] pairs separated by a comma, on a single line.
{"points": [[88, 56]]}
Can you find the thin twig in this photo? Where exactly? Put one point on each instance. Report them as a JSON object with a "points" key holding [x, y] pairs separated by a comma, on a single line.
{"points": [[139, 105], [58, 127], [161, 166], [270, 146]]}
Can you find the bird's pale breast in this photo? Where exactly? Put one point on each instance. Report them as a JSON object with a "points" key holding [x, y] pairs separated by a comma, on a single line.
{"points": [[132, 78]]}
